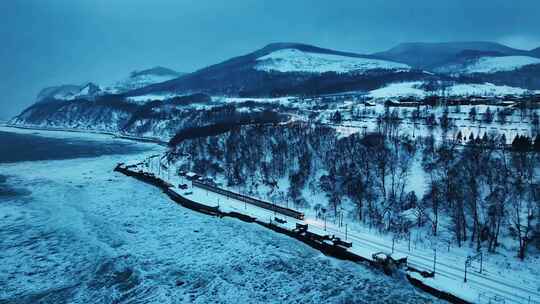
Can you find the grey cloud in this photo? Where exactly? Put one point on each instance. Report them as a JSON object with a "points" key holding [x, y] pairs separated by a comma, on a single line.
{"points": [[47, 42]]}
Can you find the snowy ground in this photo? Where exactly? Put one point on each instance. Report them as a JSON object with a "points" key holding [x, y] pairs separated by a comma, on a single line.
{"points": [[516, 123], [498, 64], [77, 233], [414, 89]]}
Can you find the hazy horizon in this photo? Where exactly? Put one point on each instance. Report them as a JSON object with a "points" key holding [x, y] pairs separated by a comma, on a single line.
{"points": [[55, 42]]}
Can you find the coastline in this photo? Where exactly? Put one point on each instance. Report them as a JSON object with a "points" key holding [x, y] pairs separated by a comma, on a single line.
{"points": [[433, 287], [85, 133], [108, 226]]}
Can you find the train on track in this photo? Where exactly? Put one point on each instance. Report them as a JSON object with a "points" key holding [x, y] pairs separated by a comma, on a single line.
{"points": [[252, 201]]}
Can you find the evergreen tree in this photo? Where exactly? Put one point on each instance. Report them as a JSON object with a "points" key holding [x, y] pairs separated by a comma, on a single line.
{"points": [[536, 146], [336, 117]]}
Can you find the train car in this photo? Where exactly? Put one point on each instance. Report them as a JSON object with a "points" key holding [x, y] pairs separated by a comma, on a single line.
{"points": [[252, 201]]}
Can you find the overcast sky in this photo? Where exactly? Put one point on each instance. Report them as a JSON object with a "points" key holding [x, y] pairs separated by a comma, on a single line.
{"points": [[49, 42]]}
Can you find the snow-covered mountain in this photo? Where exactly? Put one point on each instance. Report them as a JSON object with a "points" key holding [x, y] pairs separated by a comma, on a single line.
{"points": [[160, 101], [139, 79], [90, 90], [295, 60], [487, 65], [69, 92], [287, 68], [58, 92], [430, 55]]}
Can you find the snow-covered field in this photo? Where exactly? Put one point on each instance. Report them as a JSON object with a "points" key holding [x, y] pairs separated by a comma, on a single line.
{"points": [[293, 60], [488, 65], [400, 89], [500, 64], [77, 233], [414, 89]]}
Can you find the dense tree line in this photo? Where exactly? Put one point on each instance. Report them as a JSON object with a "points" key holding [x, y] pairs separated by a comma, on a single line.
{"points": [[479, 189]]}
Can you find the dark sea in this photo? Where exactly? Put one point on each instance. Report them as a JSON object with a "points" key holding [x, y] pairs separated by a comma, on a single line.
{"points": [[74, 231], [16, 147]]}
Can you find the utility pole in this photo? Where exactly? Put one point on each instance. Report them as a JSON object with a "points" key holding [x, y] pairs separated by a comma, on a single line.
{"points": [[465, 277], [467, 264], [434, 259], [481, 261], [409, 241]]}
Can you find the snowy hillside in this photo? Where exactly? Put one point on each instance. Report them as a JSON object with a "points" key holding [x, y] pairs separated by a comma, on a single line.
{"points": [[90, 91], [429, 55], [485, 89], [139, 79], [58, 92], [500, 64], [70, 92], [418, 89], [489, 65], [402, 89], [294, 60]]}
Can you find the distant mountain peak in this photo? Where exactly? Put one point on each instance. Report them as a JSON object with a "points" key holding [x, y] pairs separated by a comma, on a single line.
{"points": [[139, 79], [461, 45], [58, 91], [70, 92], [277, 46], [285, 45], [427, 55], [157, 70]]}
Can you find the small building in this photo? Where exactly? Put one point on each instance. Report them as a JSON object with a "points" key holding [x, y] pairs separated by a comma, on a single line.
{"points": [[369, 104], [192, 176]]}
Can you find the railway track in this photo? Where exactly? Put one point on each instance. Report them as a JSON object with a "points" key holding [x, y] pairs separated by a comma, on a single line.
{"points": [[423, 262]]}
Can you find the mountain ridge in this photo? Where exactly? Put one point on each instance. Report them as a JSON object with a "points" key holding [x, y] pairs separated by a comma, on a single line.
{"points": [[157, 70], [225, 77], [428, 55], [297, 70]]}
